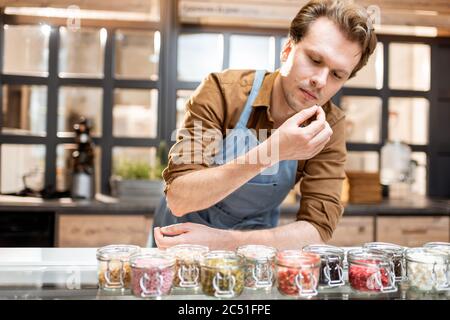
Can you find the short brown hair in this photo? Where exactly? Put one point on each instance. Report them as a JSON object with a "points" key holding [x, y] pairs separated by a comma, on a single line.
{"points": [[353, 20]]}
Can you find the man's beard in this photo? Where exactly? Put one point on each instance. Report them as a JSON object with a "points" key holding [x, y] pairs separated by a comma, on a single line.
{"points": [[293, 102]]}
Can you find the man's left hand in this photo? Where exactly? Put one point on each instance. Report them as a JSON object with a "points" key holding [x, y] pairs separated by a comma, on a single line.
{"points": [[190, 233]]}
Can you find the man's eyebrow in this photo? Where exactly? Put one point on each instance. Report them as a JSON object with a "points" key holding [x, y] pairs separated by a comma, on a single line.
{"points": [[322, 56]]}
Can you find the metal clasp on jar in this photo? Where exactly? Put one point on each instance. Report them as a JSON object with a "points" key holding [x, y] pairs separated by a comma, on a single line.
{"points": [[190, 272], [313, 284], [327, 270], [107, 273], [219, 293], [258, 272], [403, 276], [441, 286], [374, 281], [146, 282]]}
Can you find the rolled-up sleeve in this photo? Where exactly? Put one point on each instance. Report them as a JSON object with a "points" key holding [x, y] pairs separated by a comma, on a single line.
{"points": [[321, 184], [197, 141]]}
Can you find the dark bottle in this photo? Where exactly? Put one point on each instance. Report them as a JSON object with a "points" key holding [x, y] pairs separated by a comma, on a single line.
{"points": [[83, 170]]}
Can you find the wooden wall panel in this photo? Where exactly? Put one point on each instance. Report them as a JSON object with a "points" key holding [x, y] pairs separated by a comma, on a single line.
{"points": [[353, 231], [412, 231], [82, 230]]}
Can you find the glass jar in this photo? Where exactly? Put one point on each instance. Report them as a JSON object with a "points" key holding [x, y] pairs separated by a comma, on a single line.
{"points": [[187, 265], [398, 256], [427, 269], [259, 265], [332, 264], [114, 266], [222, 274], [152, 274], [441, 246], [371, 270], [297, 272]]}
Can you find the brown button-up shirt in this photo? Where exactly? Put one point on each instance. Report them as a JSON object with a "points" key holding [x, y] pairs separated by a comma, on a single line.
{"points": [[217, 105]]}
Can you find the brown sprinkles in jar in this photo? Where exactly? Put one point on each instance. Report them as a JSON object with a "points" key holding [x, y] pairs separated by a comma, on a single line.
{"points": [[114, 266], [187, 266], [259, 266]]}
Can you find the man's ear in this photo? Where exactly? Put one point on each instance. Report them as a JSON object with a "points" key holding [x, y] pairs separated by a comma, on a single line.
{"points": [[286, 50]]}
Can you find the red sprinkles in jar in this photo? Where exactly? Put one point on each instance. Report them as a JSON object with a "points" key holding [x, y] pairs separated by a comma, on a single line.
{"points": [[371, 270], [366, 278], [297, 272]]}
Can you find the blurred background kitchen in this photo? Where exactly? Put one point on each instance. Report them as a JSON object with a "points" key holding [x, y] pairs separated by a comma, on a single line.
{"points": [[92, 92]]}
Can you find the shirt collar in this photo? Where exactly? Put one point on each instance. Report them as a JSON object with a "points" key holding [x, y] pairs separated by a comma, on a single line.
{"points": [[265, 93]]}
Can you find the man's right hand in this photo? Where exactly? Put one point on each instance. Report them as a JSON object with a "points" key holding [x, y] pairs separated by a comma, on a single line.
{"points": [[302, 143]]}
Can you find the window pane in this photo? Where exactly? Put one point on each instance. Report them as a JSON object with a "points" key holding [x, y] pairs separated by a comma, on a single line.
{"points": [[81, 52], [371, 75], [18, 160], [135, 113], [252, 52], [362, 161], [409, 66], [408, 120], [75, 102], [137, 54], [182, 98], [125, 158], [198, 55], [26, 50], [64, 167], [24, 109], [363, 118], [420, 184]]}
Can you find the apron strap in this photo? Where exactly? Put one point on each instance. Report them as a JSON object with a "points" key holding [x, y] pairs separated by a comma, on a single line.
{"points": [[257, 82]]}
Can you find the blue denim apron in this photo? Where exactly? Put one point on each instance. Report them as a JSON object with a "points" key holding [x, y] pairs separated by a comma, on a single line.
{"points": [[255, 205]]}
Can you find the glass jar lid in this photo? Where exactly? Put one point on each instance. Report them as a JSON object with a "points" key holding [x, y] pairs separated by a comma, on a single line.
{"points": [[117, 251], [188, 251], [221, 259], [441, 246], [369, 257], [395, 249], [297, 259], [152, 260], [426, 255], [325, 250], [258, 253]]}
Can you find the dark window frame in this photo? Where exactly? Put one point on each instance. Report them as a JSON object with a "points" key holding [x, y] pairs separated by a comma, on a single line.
{"points": [[107, 83]]}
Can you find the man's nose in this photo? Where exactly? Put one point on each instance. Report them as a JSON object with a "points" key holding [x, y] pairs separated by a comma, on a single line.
{"points": [[319, 80]]}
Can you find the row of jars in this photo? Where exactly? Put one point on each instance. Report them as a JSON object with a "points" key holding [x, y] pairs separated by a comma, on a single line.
{"points": [[375, 267]]}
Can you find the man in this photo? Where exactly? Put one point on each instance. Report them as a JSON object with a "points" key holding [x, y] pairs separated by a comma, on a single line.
{"points": [[229, 198]]}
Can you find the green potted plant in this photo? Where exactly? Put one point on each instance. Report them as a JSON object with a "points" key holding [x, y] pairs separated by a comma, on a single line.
{"points": [[139, 181]]}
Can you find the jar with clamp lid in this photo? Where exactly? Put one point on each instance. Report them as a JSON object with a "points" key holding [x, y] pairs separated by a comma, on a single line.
{"points": [[427, 269], [297, 272], [259, 265], [371, 270], [152, 274], [114, 266], [187, 265], [398, 256], [222, 274], [332, 264]]}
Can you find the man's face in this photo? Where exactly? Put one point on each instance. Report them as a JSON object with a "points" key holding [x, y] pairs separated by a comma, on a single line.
{"points": [[316, 67]]}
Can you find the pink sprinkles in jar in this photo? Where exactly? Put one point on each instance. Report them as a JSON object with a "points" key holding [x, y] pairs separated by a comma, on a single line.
{"points": [[152, 275]]}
